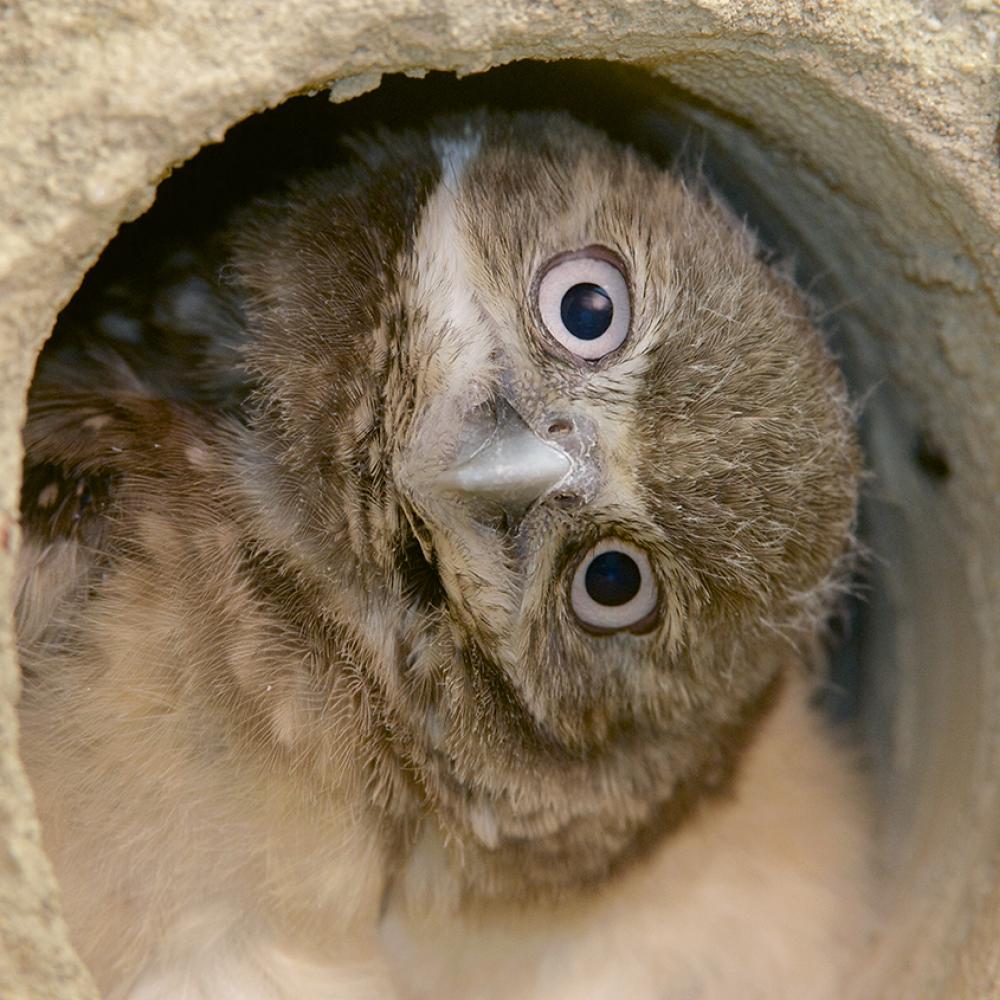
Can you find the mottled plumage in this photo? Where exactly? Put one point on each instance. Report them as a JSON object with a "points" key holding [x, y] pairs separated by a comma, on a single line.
{"points": [[310, 716]]}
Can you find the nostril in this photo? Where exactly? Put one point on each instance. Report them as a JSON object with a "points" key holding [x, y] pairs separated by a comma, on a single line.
{"points": [[560, 426], [565, 500]]}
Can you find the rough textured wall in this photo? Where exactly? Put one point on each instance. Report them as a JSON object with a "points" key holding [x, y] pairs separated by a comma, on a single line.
{"points": [[888, 108]]}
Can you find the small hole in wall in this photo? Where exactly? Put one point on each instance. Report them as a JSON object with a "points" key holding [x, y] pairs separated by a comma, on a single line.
{"points": [[145, 282], [932, 458]]}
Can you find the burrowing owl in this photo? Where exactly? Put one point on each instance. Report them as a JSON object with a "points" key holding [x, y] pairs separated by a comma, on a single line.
{"points": [[416, 584]]}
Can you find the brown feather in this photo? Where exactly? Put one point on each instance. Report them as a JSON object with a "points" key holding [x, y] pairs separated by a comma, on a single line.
{"points": [[275, 689]]}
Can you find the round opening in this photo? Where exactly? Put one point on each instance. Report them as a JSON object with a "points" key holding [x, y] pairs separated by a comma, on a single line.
{"points": [[911, 607]]}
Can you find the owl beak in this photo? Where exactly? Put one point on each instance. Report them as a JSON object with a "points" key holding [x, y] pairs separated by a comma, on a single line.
{"points": [[511, 469]]}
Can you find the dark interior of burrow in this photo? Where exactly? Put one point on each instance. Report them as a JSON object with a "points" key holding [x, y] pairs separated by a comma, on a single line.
{"points": [[679, 131]]}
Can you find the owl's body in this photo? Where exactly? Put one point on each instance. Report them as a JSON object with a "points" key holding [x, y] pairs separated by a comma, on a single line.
{"points": [[416, 590]]}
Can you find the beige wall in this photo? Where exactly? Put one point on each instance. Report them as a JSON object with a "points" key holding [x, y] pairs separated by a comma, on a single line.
{"points": [[875, 140]]}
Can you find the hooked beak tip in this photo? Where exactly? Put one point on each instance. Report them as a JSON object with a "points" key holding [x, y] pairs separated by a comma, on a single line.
{"points": [[513, 469]]}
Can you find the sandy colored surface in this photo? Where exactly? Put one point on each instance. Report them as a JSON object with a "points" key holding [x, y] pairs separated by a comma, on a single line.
{"points": [[873, 140]]}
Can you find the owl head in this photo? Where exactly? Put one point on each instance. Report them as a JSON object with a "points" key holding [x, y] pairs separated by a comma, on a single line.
{"points": [[570, 463]]}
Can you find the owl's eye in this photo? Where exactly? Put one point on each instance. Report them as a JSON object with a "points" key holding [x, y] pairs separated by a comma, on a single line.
{"points": [[583, 301], [613, 587]]}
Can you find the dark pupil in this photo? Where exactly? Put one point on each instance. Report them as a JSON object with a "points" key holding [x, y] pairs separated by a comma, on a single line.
{"points": [[612, 579], [586, 311]]}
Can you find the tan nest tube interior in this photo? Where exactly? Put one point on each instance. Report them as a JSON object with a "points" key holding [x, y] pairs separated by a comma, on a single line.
{"points": [[861, 135]]}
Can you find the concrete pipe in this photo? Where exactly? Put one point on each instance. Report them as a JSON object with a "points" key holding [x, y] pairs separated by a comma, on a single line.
{"points": [[859, 137]]}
